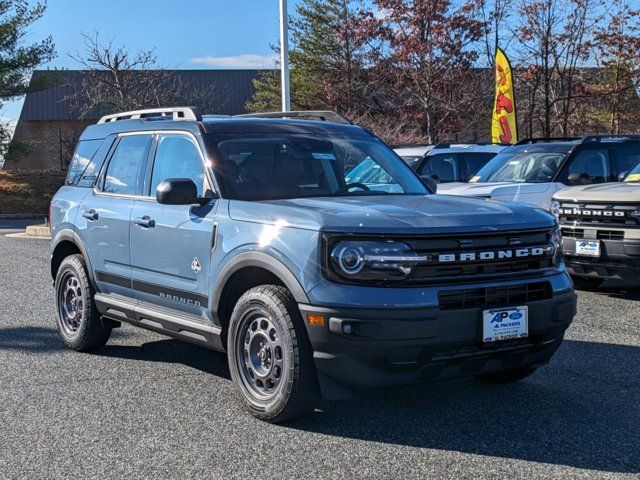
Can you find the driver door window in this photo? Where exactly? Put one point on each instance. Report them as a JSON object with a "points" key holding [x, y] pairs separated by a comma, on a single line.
{"points": [[589, 166], [177, 156]]}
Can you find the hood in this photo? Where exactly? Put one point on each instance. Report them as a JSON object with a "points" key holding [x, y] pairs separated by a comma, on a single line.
{"points": [[603, 192], [511, 190], [393, 214]]}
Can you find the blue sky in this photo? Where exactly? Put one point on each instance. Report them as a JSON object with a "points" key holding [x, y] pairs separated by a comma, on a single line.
{"points": [[186, 34]]}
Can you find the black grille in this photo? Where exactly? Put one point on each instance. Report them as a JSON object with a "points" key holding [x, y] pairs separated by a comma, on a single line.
{"points": [[479, 270], [498, 296], [599, 214], [601, 234]]}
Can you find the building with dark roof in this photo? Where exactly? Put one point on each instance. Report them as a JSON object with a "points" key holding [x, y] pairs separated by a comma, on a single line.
{"points": [[52, 118]]}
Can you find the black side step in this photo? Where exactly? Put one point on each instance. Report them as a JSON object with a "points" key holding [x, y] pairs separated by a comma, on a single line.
{"points": [[178, 326]]}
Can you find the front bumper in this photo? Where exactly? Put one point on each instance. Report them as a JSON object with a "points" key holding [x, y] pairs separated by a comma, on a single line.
{"points": [[619, 260], [394, 346]]}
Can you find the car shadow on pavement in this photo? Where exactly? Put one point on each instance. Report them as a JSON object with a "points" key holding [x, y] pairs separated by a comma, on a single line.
{"points": [[172, 351], [582, 410]]}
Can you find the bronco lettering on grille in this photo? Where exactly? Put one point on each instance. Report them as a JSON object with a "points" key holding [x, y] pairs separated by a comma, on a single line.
{"points": [[495, 254], [594, 212]]}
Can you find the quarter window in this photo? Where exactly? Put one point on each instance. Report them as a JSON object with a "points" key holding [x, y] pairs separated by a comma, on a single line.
{"points": [[124, 173], [177, 156]]}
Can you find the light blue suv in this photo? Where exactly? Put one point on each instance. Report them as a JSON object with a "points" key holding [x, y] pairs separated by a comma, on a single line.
{"points": [[246, 235]]}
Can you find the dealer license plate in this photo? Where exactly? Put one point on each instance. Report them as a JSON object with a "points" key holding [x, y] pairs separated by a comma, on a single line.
{"points": [[588, 248], [505, 324]]}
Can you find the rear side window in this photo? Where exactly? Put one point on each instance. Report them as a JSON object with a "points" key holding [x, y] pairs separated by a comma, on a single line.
{"points": [[124, 172], [83, 164]]}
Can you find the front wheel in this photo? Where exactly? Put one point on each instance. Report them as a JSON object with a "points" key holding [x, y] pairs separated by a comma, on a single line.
{"points": [[79, 323], [270, 357]]}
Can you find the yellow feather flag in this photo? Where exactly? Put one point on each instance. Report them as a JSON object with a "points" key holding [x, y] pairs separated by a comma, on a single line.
{"points": [[504, 127]]}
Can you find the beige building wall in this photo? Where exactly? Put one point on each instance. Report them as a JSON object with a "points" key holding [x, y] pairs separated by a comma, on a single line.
{"points": [[43, 145]]}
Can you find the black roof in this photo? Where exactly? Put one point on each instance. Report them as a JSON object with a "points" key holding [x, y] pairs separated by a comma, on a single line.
{"points": [[561, 147], [226, 126], [229, 91]]}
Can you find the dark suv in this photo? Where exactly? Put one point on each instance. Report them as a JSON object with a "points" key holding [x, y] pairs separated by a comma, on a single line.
{"points": [[245, 235]]}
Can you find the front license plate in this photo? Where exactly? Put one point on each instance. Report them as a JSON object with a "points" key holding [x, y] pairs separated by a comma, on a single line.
{"points": [[588, 248], [505, 324]]}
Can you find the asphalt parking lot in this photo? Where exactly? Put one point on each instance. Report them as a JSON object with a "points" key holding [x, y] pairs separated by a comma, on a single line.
{"points": [[149, 406]]}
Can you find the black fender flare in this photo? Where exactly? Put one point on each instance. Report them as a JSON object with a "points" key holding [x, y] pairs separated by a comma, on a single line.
{"points": [[261, 260], [68, 235]]}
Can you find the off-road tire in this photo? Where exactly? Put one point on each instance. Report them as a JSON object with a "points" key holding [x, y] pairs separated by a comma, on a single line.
{"points": [[274, 313], [507, 376], [89, 332], [587, 283]]}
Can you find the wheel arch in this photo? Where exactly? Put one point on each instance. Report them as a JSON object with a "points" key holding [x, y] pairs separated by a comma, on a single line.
{"points": [[247, 270], [67, 242]]}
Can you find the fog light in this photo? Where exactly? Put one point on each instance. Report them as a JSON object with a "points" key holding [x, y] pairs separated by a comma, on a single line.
{"points": [[347, 329]]}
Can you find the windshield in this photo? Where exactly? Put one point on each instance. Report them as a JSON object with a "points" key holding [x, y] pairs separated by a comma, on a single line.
{"points": [[633, 175], [265, 167], [529, 167]]}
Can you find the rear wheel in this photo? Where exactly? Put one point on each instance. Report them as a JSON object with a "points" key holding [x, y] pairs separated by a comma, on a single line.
{"points": [[587, 283], [270, 357], [508, 376], [79, 322]]}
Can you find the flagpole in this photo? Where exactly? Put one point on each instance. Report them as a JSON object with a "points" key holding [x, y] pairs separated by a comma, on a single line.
{"points": [[284, 56]]}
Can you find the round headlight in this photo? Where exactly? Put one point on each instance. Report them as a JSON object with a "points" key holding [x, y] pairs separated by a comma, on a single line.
{"points": [[349, 258]]}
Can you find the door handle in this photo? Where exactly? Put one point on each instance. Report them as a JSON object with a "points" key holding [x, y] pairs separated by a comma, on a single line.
{"points": [[90, 214], [146, 222]]}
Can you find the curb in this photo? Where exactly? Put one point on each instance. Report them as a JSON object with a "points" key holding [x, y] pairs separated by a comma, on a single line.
{"points": [[38, 231], [24, 235]]}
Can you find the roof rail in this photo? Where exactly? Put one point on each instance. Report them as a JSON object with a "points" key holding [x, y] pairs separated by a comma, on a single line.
{"points": [[323, 115], [527, 141], [175, 113], [609, 138]]}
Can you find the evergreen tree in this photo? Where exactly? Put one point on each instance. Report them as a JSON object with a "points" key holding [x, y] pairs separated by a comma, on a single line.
{"points": [[17, 59], [326, 68]]}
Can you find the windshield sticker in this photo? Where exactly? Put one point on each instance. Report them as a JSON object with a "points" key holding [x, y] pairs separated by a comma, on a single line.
{"points": [[323, 156], [634, 177], [474, 179]]}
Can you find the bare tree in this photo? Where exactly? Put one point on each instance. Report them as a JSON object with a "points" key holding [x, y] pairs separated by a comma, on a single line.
{"points": [[117, 79], [556, 40]]}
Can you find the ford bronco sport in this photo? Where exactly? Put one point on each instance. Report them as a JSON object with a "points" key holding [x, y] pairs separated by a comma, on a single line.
{"points": [[243, 235], [601, 230], [534, 170]]}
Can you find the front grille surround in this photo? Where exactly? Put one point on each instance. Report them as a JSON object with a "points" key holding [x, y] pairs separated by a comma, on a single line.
{"points": [[469, 271]]}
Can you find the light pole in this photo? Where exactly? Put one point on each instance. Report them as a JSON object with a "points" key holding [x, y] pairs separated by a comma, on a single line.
{"points": [[284, 56]]}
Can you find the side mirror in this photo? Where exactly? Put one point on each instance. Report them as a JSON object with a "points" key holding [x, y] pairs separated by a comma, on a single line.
{"points": [[179, 191], [622, 175], [433, 185], [579, 179]]}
